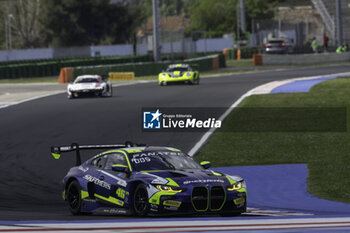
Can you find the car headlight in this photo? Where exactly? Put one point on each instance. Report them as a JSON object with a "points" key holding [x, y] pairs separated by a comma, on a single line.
{"points": [[238, 185], [166, 188], [189, 74], [163, 75]]}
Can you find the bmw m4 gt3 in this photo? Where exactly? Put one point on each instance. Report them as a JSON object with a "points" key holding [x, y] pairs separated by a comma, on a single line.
{"points": [[141, 180], [89, 85], [178, 73]]}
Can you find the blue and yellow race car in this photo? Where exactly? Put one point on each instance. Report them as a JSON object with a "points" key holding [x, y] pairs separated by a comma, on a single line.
{"points": [[142, 180], [178, 73]]}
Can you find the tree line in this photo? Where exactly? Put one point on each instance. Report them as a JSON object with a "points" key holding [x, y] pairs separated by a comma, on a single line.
{"points": [[62, 23]]}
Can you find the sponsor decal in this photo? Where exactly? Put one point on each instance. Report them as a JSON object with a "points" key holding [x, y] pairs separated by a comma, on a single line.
{"points": [[170, 208], [239, 201], [172, 203], [115, 211], [83, 169], [121, 193], [90, 200], [203, 181], [121, 76], [97, 181]]}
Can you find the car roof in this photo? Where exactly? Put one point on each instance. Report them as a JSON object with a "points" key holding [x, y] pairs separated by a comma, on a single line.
{"points": [[133, 150], [88, 76]]}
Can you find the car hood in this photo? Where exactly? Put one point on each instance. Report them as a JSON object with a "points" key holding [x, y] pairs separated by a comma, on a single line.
{"points": [[80, 86], [194, 177], [176, 74]]}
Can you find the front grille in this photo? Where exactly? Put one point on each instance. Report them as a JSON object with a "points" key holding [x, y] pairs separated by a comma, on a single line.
{"points": [[200, 198], [217, 194]]}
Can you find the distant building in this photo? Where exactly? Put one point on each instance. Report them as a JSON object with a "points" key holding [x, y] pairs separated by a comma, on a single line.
{"points": [[318, 17], [167, 24]]}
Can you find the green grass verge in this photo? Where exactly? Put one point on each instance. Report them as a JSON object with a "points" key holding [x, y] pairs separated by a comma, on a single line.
{"points": [[327, 154], [239, 63]]}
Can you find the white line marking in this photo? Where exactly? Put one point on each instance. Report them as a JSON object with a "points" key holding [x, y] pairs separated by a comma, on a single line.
{"points": [[30, 99], [206, 136], [64, 91], [189, 225]]}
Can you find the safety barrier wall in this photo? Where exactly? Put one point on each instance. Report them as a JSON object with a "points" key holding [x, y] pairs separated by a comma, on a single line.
{"points": [[297, 59], [52, 67], [246, 52], [201, 45], [150, 68]]}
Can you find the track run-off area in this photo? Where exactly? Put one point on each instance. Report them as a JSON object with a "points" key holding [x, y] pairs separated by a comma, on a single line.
{"points": [[30, 186]]}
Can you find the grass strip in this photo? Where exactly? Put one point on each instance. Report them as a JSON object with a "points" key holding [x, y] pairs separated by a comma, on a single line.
{"points": [[326, 152]]}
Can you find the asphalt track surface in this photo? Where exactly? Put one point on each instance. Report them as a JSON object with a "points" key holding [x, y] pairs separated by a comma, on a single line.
{"points": [[30, 178]]}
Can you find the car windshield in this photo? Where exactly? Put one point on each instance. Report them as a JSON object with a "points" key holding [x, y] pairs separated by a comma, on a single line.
{"points": [[276, 41], [181, 69], [162, 161], [87, 80]]}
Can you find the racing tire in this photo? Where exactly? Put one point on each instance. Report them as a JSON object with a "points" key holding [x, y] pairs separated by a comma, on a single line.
{"points": [[73, 197], [140, 203], [163, 83], [111, 92], [197, 81], [108, 92]]}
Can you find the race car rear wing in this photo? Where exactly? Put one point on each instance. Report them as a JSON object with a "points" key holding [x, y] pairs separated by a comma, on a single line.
{"points": [[57, 150]]}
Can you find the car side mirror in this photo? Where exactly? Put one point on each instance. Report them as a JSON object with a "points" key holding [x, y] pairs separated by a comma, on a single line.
{"points": [[120, 168], [205, 164]]}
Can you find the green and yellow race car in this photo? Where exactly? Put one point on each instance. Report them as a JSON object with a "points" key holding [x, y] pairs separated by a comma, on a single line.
{"points": [[178, 73]]}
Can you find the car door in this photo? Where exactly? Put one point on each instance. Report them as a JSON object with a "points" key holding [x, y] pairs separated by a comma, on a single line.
{"points": [[114, 183], [96, 185]]}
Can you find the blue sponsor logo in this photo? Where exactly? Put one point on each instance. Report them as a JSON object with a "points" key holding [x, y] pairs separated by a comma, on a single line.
{"points": [[152, 120]]}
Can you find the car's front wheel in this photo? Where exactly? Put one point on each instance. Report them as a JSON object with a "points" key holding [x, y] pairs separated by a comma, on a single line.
{"points": [[73, 197], [140, 203], [110, 91], [197, 81]]}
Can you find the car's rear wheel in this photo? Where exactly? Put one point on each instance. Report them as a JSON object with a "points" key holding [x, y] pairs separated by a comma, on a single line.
{"points": [[73, 197], [197, 81], [140, 203], [110, 91]]}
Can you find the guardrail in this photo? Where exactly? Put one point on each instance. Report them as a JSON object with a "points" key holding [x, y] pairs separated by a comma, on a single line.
{"points": [[301, 59]]}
